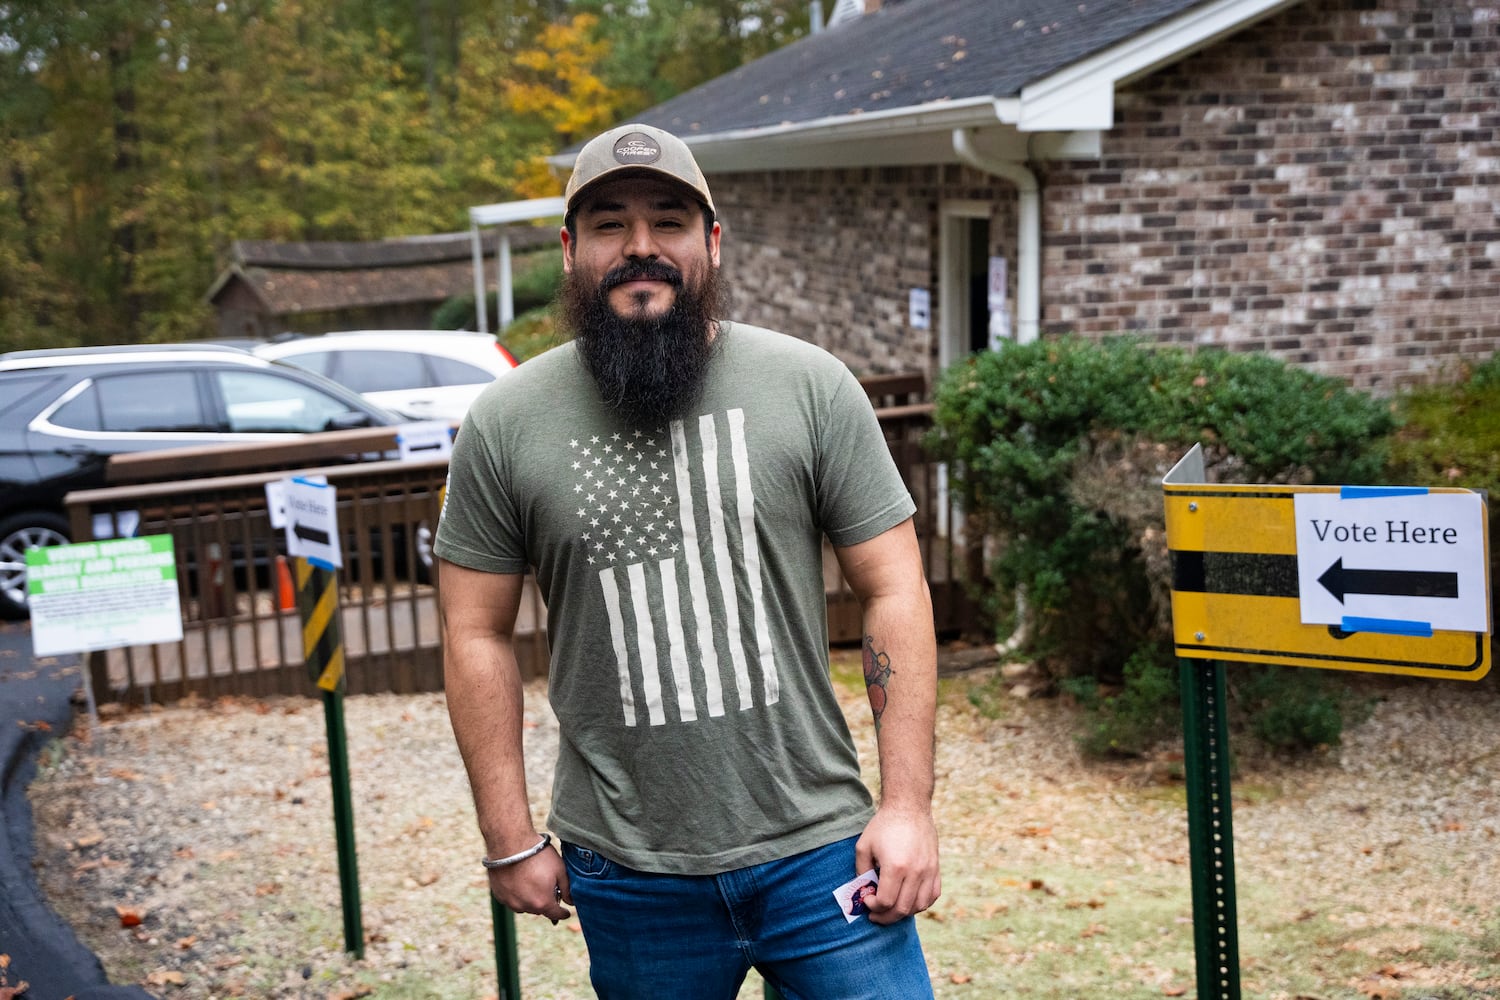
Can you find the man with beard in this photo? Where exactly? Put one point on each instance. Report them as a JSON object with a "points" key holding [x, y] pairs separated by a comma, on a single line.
{"points": [[671, 478]]}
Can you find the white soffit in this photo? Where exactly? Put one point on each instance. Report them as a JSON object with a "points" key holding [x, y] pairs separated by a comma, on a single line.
{"points": [[1082, 96]]}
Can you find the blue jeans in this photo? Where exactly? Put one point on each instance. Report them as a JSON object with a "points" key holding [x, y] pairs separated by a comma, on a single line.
{"points": [[651, 936]]}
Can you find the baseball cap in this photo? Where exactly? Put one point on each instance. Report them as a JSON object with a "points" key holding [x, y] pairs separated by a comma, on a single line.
{"points": [[636, 149]]}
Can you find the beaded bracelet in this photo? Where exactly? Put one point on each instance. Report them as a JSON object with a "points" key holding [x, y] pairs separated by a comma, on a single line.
{"points": [[515, 859]]}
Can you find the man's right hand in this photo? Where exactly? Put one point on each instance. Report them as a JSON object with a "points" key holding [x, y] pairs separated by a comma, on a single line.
{"points": [[537, 885]]}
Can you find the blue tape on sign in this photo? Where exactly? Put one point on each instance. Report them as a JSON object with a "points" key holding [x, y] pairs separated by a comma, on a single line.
{"points": [[1373, 492], [1387, 626], [325, 564]]}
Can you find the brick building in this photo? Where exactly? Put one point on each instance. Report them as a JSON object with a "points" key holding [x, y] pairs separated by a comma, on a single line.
{"points": [[1316, 180]]}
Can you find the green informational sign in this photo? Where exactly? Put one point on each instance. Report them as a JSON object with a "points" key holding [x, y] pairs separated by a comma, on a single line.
{"points": [[100, 595]]}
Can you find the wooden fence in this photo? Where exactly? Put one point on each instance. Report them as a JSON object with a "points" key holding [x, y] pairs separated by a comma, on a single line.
{"points": [[241, 636]]}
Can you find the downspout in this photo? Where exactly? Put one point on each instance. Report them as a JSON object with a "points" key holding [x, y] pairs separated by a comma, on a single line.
{"points": [[1029, 230]]}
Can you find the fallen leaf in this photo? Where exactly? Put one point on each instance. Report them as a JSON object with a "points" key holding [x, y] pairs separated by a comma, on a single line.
{"points": [[130, 916], [960, 978], [268, 889], [187, 942], [124, 774], [166, 977], [88, 840], [1173, 991]]}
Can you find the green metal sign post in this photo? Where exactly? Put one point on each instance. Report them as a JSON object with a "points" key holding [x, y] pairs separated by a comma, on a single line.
{"points": [[1205, 734], [323, 650], [507, 959]]}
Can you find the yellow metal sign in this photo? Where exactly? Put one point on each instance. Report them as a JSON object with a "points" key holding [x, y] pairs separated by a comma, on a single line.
{"points": [[1235, 589]]}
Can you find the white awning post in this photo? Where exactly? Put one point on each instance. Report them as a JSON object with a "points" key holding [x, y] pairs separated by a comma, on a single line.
{"points": [[505, 302], [477, 242]]}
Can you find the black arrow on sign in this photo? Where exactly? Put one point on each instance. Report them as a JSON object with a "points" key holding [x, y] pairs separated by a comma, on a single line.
{"points": [[1388, 582], [307, 534]]}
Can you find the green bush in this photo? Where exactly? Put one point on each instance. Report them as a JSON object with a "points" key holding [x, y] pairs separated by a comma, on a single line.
{"points": [[1057, 449], [1450, 436], [535, 281], [1293, 708], [1140, 714]]}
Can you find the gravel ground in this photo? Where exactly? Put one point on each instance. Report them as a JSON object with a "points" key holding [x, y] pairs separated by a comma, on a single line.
{"points": [[193, 850]]}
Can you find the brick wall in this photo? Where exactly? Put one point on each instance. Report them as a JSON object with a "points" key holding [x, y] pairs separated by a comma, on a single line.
{"points": [[831, 256], [1323, 187]]}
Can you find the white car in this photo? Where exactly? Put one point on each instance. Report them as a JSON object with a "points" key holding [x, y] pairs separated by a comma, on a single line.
{"points": [[419, 374]]}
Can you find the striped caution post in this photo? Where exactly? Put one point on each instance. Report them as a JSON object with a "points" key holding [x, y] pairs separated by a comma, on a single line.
{"points": [[323, 650], [322, 638]]}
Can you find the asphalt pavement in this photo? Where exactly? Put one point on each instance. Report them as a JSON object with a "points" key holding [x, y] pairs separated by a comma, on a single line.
{"points": [[37, 706]]}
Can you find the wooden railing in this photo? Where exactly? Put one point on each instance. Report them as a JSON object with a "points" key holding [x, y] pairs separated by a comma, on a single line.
{"points": [[242, 636]]}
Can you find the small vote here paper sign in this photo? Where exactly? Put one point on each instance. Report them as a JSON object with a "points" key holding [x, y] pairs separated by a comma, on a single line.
{"points": [[1392, 559]]}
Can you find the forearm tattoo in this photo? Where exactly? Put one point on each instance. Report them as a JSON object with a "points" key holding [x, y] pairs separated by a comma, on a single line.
{"points": [[877, 675]]}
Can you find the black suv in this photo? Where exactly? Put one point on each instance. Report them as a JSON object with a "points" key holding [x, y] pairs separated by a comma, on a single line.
{"points": [[64, 412]]}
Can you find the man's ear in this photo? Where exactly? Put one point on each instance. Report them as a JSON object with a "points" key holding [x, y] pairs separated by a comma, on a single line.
{"points": [[567, 246], [713, 244]]}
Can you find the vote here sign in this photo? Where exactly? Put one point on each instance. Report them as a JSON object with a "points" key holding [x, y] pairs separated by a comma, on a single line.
{"points": [[1397, 560]]}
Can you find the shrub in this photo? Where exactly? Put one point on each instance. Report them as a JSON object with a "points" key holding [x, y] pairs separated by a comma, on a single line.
{"points": [[1450, 436], [1057, 449], [535, 280], [1140, 714], [1293, 708]]}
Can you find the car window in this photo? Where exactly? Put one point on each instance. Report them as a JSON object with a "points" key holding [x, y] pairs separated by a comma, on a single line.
{"points": [[314, 361], [264, 402], [137, 403], [450, 372], [18, 389], [381, 371]]}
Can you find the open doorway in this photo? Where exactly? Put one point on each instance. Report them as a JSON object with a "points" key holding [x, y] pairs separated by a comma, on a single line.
{"points": [[973, 292]]}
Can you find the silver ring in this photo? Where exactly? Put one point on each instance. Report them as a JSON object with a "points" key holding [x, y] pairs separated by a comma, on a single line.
{"points": [[557, 891]]}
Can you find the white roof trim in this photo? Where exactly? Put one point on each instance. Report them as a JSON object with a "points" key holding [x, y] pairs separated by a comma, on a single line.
{"points": [[502, 213], [1082, 96]]}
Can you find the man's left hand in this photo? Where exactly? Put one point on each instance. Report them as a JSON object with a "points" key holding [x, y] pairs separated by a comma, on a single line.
{"points": [[902, 844]]}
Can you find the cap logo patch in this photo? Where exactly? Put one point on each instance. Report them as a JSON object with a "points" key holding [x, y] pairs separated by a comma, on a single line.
{"points": [[637, 147]]}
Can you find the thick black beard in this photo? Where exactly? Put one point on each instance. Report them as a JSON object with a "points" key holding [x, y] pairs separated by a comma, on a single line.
{"points": [[649, 371]]}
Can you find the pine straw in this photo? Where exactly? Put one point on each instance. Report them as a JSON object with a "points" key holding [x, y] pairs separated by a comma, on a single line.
{"points": [[1366, 871]]}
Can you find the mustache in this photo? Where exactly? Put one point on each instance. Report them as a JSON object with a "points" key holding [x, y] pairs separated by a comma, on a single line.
{"points": [[642, 270]]}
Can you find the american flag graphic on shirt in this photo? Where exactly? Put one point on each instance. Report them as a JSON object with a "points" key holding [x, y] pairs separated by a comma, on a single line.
{"points": [[667, 519]]}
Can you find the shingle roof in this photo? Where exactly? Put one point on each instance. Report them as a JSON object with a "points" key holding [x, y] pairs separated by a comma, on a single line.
{"points": [[327, 275], [403, 251], [910, 53]]}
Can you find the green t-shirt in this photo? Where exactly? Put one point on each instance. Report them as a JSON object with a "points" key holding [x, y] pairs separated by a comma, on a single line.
{"points": [[682, 568]]}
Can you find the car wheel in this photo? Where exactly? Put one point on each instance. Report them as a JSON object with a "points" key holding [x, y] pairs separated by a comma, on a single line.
{"points": [[422, 541], [20, 532]]}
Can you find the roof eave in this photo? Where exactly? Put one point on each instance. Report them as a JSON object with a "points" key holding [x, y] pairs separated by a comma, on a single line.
{"points": [[875, 138]]}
